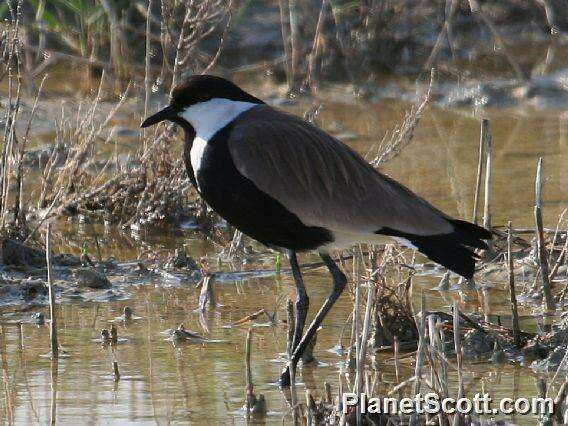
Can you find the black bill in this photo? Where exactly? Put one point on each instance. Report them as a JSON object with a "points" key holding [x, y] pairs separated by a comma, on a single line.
{"points": [[168, 113]]}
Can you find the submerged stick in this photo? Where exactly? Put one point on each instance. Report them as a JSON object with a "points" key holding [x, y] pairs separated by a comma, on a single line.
{"points": [[512, 293], [541, 244], [53, 323]]}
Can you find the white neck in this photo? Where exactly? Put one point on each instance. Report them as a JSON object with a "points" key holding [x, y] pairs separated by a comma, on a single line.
{"points": [[207, 118]]}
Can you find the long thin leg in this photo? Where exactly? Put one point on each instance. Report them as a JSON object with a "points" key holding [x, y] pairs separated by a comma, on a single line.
{"points": [[339, 281], [302, 299]]}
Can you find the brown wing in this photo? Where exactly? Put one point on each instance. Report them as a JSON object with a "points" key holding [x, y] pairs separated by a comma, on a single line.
{"points": [[322, 181]]}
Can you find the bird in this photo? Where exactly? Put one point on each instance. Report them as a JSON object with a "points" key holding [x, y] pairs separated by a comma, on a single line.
{"points": [[290, 185]]}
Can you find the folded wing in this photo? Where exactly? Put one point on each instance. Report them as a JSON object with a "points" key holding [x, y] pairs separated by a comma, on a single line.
{"points": [[323, 181]]}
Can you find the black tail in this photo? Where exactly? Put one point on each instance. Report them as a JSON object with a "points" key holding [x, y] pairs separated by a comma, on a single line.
{"points": [[450, 250]]}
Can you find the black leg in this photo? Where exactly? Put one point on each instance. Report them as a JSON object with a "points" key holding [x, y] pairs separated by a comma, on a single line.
{"points": [[302, 300], [339, 281]]}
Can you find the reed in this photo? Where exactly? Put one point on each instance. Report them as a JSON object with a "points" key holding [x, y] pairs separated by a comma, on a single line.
{"points": [[249, 391], [541, 242], [295, 45], [52, 313], [512, 292], [457, 420], [420, 355], [291, 365], [488, 138], [479, 175]]}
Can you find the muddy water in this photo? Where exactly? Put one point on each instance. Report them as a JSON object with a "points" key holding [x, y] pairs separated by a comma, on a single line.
{"points": [[203, 383]]}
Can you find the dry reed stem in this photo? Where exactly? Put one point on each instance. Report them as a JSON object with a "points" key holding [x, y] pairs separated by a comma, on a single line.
{"points": [[249, 391], [54, 374], [291, 365], [18, 201], [560, 260], [285, 28], [488, 142], [420, 355], [53, 323], [512, 293], [359, 365], [295, 45], [458, 349], [312, 78], [479, 173], [147, 63], [541, 243]]}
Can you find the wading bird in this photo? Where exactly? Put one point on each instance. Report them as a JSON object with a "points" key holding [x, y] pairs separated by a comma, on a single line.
{"points": [[292, 186]]}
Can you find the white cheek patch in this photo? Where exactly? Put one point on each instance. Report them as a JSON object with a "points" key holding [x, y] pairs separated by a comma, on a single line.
{"points": [[207, 118]]}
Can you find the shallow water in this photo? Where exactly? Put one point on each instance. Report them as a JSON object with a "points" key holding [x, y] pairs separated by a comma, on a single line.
{"points": [[204, 383]]}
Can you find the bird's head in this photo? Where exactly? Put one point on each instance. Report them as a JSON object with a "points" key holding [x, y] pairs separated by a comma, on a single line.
{"points": [[192, 97]]}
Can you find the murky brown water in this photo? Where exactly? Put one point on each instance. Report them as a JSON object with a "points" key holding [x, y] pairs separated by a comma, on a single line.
{"points": [[204, 383]]}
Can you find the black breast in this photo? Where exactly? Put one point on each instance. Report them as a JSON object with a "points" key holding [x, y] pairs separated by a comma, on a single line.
{"points": [[252, 211]]}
